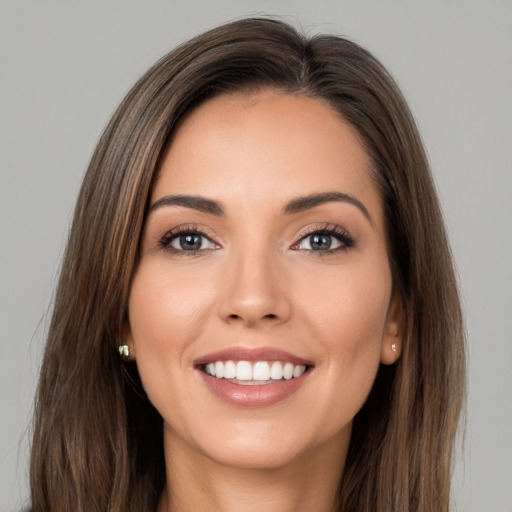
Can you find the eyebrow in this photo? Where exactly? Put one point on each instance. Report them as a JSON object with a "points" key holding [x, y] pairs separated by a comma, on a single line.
{"points": [[308, 202], [294, 206], [195, 202]]}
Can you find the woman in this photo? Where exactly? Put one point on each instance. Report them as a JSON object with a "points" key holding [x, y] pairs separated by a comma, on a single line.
{"points": [[259, 237]]}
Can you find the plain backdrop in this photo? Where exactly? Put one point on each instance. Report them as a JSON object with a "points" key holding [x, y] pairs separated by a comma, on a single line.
{"points": [[65, 65]]}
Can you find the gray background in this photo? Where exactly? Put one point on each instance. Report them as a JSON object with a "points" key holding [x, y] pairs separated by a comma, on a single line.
{"points": [[65, 66]]}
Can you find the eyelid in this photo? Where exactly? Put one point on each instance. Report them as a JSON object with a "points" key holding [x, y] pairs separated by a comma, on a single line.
{"points": [[164, 242], [334, 230], [345, 240]]}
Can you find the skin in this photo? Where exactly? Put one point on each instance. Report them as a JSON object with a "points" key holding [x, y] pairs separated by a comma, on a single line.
{"points": [[257, 282]]}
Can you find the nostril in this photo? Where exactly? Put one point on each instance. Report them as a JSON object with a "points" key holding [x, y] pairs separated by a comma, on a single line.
{"points": [[270, 316]]}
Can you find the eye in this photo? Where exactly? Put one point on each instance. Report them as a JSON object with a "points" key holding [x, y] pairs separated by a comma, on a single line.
{"points": [[186, 240], [330, 239], [319, 242], [191, 242]]}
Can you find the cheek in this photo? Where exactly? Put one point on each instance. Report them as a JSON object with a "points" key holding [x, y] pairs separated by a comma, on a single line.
{"points": [[346, 312], [346, 306], [164, 306], [166, 313]]}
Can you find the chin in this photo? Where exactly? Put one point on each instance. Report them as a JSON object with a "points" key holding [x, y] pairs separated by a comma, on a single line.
{"points": [[255, 457], [272, 446]]}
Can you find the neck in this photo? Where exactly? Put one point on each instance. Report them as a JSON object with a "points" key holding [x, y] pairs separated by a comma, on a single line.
{"points": [[196, 482]]}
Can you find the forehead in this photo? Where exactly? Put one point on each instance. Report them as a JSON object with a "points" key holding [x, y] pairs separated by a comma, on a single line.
{"points": [[268, 146]]}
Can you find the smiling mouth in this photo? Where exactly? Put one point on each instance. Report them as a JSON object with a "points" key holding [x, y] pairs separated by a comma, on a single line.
{"points": [[257, 373]]}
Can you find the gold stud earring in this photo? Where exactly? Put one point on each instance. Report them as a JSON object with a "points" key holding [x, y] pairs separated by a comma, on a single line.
{"points": [[124, 352]]}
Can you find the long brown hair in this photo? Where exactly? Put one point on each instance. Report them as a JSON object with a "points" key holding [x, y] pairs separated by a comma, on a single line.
{"points": [[97, 439]]}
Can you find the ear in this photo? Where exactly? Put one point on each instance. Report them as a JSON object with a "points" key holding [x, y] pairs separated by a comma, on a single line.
{"points": [[392, 341]]}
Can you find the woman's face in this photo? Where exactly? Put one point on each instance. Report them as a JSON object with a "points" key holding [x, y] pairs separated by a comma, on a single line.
{"points": [[263, 258]]}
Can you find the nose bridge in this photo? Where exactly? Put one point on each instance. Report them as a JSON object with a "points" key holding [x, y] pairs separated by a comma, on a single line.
{"points": [[252, 286]]}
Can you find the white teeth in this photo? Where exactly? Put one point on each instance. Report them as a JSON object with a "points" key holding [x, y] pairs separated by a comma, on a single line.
{"points": [[219, 369], [298, 370], [243, 370], [260, 371], [288, 371], [229, 370], [276, 371]]}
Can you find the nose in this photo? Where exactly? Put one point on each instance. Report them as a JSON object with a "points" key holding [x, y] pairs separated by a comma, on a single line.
{"points": [[254, 291]]}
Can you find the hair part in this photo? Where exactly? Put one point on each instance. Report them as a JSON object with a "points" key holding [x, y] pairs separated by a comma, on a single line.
{"points": [[98, 441]]}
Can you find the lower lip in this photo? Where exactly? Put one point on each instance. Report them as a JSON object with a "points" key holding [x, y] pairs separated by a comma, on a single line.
{"points": [[252, 396]]}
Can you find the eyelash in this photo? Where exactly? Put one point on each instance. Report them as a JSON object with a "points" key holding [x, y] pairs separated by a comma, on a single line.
{"points": [[166, 241], [331, 230]]}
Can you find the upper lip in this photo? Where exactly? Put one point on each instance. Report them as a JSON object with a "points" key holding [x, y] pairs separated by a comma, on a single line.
{"points": [[251, 354]]}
